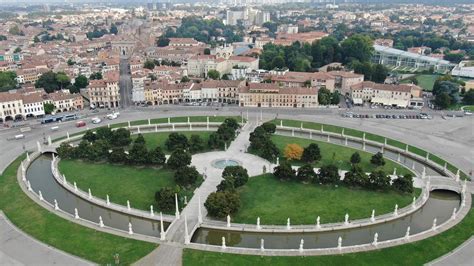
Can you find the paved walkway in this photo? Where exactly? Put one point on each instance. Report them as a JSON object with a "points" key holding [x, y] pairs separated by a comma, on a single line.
{"points": [[463, 255], [171, 255], [21, 249]]}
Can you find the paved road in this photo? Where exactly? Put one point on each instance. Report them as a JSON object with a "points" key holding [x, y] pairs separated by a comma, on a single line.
{"points": [[462, 256], [17, 248], [125, 83], [450, 138]]}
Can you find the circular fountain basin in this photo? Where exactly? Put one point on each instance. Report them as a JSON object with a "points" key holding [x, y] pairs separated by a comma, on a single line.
{"points": [[223, 163]]}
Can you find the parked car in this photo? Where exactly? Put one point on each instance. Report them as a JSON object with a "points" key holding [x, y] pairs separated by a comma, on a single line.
{"points": [[96, 120]]}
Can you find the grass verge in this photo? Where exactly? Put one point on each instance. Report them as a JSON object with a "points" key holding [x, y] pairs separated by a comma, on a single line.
{"points": [[274, 201], [417, 253], [62, 234]]}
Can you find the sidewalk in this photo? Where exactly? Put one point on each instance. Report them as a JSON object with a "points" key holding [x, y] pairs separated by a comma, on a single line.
{"points": [[17, 248]]}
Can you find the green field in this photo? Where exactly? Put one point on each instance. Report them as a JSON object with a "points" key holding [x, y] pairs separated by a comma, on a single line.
{"points": [[274, 201], [425, 81], [55, 231], [368, 136], [337, 155], [120, 182], [417, 253]]}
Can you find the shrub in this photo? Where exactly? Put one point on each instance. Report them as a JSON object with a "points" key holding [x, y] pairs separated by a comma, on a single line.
{"points": [[404, 183], [157, 156], [238, 174], [328, 174], [306, 173], [121, 137], [196, 144], [378, 180], [165, 199], [311, 153], [355, 158], [179, 158], [118, 155], [177, 141], [186, 176], [284, 171], [377, 159], [355, 177], [293, 151], [222, 203]]}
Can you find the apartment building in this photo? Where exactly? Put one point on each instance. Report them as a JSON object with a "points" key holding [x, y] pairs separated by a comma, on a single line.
{"points": [[105, 93], [271, 95], [385, 94]]}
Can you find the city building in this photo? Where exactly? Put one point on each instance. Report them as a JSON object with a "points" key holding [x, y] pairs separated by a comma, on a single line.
{"points": [[105, 93], [385, 94], [464, 69], [271, 95], [403, 60]]}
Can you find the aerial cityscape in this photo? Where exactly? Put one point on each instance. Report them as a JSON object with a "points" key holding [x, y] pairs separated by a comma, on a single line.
{"points": [[236, 132]]}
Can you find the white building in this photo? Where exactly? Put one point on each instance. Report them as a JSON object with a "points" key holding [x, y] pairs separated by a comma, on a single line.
{"points": [[464, 69]]}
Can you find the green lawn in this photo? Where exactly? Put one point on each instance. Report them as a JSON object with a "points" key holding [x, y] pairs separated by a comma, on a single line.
{"points": [[120, 182], [469, 108], [368, 136], [274, 201], [49, 228], [336, 154], [425, 81], [417, 253], [158, 139]]}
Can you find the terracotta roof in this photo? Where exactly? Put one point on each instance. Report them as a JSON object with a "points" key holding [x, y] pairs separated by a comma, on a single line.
{"points": [[387, 87]]}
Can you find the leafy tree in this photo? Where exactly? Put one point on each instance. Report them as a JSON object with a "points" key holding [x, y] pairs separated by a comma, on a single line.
{"points": [[284, 171], [70, 62], [15, 30], [196, 144], [324, 96], [7, 80], [355, 177], [162, 41], [207, 51], [104, 133], [328, 174], [138, 154], [357, 47], [118, 155], [3, 38], [17, 50], [269, 151], [226, 185], [48, 108], [468, 97], [379, 73], [442, 100], [269, 128], [215, 141], [223, 203], [311, 153], [378, 180], [455, 58], [65, 151], [81, 82], [237, 174], [355, 158], [185, 79], [51, 81], [82, 149], [165, 199], [213, 74], [140, 139], [404, 183], [293, 151], [89, 136], [177, 141], [178, 158], [149, 64], [157, 156], [113, 29], [96, 75], [121, 137], [62, 79], [306, 173], [377, 159], [186, 176]]}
